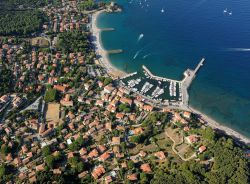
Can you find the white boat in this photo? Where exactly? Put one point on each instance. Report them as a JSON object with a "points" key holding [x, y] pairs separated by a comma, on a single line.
{"points": [[162, 10], [225, 11]]}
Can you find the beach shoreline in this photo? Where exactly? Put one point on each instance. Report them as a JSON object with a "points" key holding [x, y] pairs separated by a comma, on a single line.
{"points": [[116, 73], [100, 51], [220, 127]]}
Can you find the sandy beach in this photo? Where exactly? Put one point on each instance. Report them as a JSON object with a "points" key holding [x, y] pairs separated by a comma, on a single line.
{"points": [[216, 125], [103, 60]]}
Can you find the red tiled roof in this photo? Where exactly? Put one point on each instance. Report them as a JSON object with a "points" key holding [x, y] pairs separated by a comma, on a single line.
{"points": [[60, 88], [93, 153], [202, 149], [104, 156], [146, 168], [132, 177], [98, 171], [83, 151], [160, 155]]}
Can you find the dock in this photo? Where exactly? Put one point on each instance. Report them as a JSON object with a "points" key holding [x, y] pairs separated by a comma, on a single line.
{"points": [[129, 75], [189, 76], [157, 77], [199, 65], [107, 29], [117, 51]]}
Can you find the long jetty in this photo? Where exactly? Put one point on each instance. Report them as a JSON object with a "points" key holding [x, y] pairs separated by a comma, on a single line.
{"points": [[186, 82], [107, 29], [129, 75], [116, 51], [157, 77], [199, 65]]}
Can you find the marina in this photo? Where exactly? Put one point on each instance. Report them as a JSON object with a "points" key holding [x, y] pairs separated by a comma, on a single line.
{"points": [[162, 90]]}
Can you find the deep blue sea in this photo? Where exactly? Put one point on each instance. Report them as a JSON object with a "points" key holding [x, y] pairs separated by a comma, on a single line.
{"points": [[176, 35]]}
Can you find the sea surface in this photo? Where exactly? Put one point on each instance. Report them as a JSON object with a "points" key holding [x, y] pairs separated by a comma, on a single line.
{"points": [[169, 36]]}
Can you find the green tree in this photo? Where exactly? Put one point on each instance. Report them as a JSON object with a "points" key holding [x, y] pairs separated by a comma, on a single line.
{"points": [[87, 5], [20, 22], [208, 134], [124, 108], [46, 151], [107, 81], [143, 178], [75, 164], [137, 139], [50, 161], [131, 165], [50, 95], [73, 41], [5, 149], [5, 173], [2, 170]]}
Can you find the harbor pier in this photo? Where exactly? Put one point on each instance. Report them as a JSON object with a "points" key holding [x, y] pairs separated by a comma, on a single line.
{"points": [[117, 51], [107, 29], [149, 73], [189, 75]]}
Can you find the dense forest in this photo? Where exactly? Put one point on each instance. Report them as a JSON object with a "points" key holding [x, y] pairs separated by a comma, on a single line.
{"points": [[73, 42], [6, 83], [20, 22], [229, 166], [13, 4], [88, 5]]}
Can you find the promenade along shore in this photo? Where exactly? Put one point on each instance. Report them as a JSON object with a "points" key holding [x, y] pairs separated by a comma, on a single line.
{"points": [[116, 73], [100, 51]]}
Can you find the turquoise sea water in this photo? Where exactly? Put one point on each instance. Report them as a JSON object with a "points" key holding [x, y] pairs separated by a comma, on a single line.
{"points": [[178, 38]]}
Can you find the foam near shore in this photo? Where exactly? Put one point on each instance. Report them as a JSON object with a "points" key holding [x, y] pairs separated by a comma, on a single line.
{"points": [[104, 60]]}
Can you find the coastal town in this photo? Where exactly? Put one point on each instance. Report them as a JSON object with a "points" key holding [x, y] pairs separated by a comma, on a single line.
{"points": [[68, 116]]}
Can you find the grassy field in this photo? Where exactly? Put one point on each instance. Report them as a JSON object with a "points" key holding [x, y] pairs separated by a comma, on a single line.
{"points": [[175, 134]]}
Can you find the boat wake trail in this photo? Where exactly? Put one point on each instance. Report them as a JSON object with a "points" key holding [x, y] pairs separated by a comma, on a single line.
{"points": [[136, 54], [139, 51], [144, 57], [238, 49], [140, 37]]}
